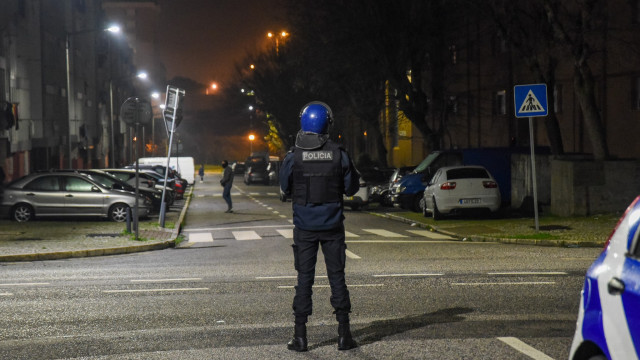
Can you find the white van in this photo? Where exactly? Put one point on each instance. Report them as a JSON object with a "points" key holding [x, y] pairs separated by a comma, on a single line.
{"points": [[184, 165]]}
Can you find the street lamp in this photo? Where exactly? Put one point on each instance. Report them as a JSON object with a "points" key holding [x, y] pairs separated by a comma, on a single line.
{"points": [[282, 35], [112, 150], [112, 29], [251, 138]]}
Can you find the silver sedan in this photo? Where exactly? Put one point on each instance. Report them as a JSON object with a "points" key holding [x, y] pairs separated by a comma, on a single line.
{"points": [[68, 194]]}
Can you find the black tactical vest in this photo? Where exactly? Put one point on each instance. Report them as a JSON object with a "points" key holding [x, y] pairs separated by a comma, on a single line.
{"points": [[317, 175]]}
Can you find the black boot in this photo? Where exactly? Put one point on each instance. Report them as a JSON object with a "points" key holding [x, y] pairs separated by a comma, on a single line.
{"points": [[345, 340], [299, 341]]}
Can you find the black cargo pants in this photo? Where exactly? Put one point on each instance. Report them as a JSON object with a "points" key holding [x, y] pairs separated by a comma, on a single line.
{"points": [[305, 252]]}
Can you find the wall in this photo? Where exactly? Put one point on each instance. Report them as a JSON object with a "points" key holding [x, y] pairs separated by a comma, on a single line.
{"points": [[582, 188]]}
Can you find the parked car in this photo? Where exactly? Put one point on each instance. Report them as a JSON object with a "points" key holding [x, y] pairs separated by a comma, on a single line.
{"points": [[608, 325], [112, 182], [144, 179], [386, 198], [67, 194], [256, 170], [459, 188], [274, 170], [378, 181], [238, 167]]}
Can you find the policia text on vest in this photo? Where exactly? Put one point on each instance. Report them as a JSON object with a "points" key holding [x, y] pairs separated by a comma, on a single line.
{"points": [[317, 155]]}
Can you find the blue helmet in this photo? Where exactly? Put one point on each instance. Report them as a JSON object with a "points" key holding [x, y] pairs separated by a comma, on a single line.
{"points": [[316, 117]]}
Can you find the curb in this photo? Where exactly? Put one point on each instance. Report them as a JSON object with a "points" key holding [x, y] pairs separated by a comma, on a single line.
{"points": [[480, 238], [58, 255]]}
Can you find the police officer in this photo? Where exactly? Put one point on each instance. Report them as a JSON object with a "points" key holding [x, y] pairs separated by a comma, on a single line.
{"points": [[315, 174]]}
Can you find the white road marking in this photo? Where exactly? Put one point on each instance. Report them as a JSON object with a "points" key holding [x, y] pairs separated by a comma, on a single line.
{"points": [[407, 275], [351, 255], [286, 233], [285, 277], [164, 280], [254, 193], [328, 286], [271, 194], [385, 233], [529, 273], [25, 284], [283, 216], [525, 348], [236, 227], [426, 242], [430, 234], [269, 208], [276, 212], [6, 294], [246, 235], [200, 237], [153, 290], [506, 283], [350, 234]]}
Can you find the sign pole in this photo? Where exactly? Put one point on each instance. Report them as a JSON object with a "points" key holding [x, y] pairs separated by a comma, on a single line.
{"points": [[533, 173], [531, 101]]}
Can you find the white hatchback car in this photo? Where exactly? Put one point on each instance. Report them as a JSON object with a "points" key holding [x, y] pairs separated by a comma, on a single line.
{"points": [[457, 188]]}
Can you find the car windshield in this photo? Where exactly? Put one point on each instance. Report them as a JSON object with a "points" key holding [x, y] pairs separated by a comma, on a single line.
{"points": [[467, 173], [425, 163]]}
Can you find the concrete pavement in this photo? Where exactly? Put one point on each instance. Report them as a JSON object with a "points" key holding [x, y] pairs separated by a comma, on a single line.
{"points": [[59, 239]]}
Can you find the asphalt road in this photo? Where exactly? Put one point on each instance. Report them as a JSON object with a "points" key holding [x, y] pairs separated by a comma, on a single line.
{"points": [[226, 293]]}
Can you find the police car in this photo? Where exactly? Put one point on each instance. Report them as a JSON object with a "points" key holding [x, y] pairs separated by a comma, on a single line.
{"points": [[608, 324]]}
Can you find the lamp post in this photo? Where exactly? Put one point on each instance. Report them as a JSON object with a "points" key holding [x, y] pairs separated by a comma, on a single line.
{"points": [[67, 44], [112, 149], [282, 35], [251, 138]]}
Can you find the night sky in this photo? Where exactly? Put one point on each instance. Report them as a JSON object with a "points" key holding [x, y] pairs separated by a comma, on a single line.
{"points": [[201, 39]]}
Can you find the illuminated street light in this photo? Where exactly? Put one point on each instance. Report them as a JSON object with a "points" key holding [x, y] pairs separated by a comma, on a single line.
{"points": [[282, 35], [112, 151], [251, 138], [112, 29]]}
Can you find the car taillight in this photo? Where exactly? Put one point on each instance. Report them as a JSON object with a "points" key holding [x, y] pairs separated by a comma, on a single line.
{"points": [[449, 185], [489, 184]]}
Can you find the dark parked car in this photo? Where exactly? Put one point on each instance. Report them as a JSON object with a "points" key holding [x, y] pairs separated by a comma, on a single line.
{"points": [[57, 194], [112, 182], [129, 176], [256, 170], [238, 167]]}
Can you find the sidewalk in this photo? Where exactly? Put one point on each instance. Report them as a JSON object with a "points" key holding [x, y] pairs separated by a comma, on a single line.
{"points": [[587, 231], [61, 239]]}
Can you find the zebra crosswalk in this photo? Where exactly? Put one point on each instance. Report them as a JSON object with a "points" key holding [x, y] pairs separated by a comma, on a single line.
{"points": [[208, 235]]}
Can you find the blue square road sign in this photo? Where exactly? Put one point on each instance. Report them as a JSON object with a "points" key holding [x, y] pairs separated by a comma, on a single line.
{"points": [[530, 100]]}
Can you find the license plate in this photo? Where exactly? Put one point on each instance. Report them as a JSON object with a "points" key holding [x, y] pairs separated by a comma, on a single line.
{"points": [[470, 201]]}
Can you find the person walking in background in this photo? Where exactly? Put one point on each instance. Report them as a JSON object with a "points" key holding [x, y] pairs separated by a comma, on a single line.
{"points": [[201, 173], [227, 181], [316, 173]]}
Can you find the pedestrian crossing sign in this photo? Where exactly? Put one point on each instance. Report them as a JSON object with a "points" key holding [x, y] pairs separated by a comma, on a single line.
{"points": [[530, 100]]}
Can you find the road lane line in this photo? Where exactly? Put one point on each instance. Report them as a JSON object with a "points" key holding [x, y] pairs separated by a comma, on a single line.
{"points": [[350, 234], [426, 242], [6, 294], [285, 277], [506, 283], [153, 290], [235, 227], [200, 237], [525, 348], [283, 216], [246, 235], [430, 234], [286, 233], [407, 275], [385, 233], [25, 284], [351, 255], [164, 280], [328, 286], [529, 273]]}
